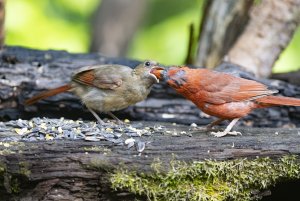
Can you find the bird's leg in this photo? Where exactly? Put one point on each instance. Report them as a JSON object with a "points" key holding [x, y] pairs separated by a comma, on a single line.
{"points": [[227, 131], [208, 127], [96, 116], [214, 123], [115, 118]]}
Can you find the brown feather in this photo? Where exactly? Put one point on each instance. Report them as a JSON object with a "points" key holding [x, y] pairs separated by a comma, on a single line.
{"points": [[48, 93], [278, 100], [86, 77], [102, 78]]}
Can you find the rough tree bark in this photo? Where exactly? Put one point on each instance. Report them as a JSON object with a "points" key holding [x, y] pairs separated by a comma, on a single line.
{"points": [[114, 24], [223, 22], [2, 20], [269, 31], [255, 45]]}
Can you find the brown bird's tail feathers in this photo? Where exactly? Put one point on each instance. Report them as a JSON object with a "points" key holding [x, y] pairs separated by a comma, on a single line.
{"points": [[278, 100], [48, 93]]}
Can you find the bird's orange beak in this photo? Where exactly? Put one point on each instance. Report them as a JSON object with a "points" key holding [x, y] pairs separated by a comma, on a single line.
{"points": [[158, 72]]}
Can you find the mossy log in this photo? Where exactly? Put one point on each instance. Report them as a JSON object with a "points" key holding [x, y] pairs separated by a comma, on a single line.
{"points": [[83, 170]]}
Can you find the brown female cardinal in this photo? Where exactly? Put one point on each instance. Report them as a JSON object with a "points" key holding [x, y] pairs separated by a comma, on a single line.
{"points": [[107, 88], [221, 95]]}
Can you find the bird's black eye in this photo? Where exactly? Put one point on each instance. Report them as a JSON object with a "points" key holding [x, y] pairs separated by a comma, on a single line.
{"points": [[147, 63]]}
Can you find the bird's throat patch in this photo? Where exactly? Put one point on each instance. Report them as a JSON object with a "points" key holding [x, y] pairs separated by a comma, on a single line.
{"points": [[178, 79]]}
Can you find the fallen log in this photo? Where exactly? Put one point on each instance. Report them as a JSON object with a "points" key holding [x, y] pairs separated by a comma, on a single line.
{"points": [[79, 169]]}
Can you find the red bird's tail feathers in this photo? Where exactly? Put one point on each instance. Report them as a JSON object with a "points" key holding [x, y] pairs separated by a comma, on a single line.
{"points": [[278, 100], [48, 93]]}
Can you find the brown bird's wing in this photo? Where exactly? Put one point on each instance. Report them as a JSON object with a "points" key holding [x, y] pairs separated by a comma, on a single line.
{"points": [[103, 77], [219, 88]]}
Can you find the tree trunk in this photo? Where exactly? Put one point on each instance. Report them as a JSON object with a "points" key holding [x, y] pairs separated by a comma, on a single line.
{"points": [[221, 25], [269, 31], [256, 43], [2, 20], [114, 24]]}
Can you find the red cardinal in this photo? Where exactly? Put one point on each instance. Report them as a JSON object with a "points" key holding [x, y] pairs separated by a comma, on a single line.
{"points": [[221, 95], [107, 88]]}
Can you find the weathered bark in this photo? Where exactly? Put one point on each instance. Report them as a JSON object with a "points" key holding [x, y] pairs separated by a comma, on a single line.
{"points": [[24, 73], [114, 24], [222, 23], [269, 31], [80, 170], [2, 20]]}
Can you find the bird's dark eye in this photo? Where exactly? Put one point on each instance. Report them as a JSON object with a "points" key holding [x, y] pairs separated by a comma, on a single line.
{"points": [[147, 63]]}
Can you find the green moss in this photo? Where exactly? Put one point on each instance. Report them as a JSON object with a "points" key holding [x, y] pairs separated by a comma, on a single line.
{"points": [[8, 148], [100, 164], [99, 161], [2, 171], [15, 185], [6, 152], [12, 182], [2, 168], [24, 168], [208, 180], [97, 149]]}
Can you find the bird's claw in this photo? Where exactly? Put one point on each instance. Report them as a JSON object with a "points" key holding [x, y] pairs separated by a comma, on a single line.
{"points": [[223, 133]]}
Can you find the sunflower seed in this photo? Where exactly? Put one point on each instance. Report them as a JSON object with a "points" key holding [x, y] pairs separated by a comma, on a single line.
{"points": [[140, 146], [108, 135], [129, 142], [92, 139]]}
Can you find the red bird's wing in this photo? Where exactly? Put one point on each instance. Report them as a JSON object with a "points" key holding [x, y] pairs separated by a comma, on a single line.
{"points": [[218, 88], [103, 77]]}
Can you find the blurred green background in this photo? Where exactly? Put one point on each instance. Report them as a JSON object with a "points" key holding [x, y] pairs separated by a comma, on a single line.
{"points": [[163, 35]]}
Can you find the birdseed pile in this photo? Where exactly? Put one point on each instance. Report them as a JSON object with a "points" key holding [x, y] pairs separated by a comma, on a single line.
{"points": [[44, 129]]}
